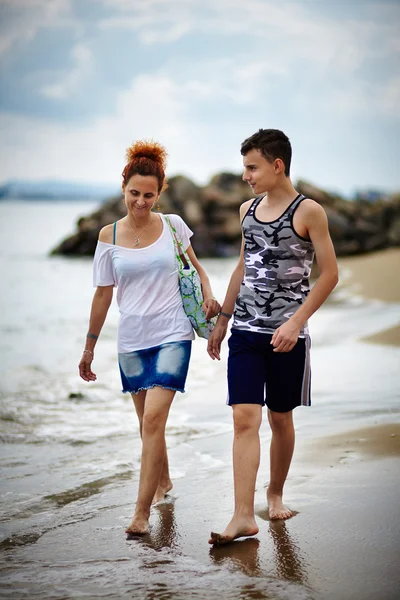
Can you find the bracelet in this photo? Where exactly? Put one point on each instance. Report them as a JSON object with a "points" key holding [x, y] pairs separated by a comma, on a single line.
{"points": [[92, 336], [90, 352], [224, 314]]}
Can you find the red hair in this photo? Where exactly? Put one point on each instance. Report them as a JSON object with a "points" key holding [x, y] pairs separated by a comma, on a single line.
{"points": [[146, 158]]}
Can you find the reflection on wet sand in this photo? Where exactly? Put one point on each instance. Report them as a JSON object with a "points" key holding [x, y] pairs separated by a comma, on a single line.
{"points": [[164, 533], [245, 555], [289, 564], [241, 553]]}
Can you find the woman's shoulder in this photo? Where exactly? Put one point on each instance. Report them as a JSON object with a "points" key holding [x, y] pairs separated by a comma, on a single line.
{"points": [[174, 217], [106, 234], [176, 220]]}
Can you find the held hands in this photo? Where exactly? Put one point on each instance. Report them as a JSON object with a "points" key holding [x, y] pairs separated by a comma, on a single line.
{"points": [[285, 337], [211, 307], [85, 370], [216, 338]]}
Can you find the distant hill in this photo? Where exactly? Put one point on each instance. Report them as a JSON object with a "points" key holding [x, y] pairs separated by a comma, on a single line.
{"points": [[55, 190]]}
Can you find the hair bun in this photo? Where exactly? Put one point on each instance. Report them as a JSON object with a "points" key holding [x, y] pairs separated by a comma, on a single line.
{"points": [[147, 149]]}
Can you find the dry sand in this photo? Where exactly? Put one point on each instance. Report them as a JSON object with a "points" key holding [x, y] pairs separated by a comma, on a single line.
{"points": [[368, 442], [375, 276]]}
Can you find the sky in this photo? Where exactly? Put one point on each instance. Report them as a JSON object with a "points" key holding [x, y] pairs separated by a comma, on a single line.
{"points": [[81, 79]]}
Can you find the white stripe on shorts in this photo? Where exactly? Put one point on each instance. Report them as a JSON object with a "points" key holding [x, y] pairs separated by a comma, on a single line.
{"points": [[305, 389]]}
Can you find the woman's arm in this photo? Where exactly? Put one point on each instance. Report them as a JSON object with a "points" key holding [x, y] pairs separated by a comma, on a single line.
{"points": [[210, 305], [228, 306], [100, 305]]}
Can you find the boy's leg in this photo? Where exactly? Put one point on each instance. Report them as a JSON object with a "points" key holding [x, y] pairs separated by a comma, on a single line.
{"points": [[281, 452], [287, 386], [246, 460]]}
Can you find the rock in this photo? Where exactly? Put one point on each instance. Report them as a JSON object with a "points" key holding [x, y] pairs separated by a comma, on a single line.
{"points": [[394, 233], [212, 212], [339, 225]]}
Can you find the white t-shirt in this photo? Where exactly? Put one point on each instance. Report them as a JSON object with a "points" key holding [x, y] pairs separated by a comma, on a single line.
{"points": [[148, 296]]}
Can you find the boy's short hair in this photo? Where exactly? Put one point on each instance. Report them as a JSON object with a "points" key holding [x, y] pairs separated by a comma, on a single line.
{"points": [[272, 143]]}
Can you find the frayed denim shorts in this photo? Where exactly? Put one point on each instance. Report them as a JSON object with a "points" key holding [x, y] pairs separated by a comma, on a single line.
{"points": [[165, 366]]}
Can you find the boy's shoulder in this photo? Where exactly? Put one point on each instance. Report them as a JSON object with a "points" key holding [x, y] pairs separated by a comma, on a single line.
{"points": [[309, 208], [244, 207]]}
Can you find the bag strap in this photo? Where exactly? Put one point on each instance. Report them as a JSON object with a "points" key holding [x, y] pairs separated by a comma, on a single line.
{"points": [[115, 232], [180, 251]]}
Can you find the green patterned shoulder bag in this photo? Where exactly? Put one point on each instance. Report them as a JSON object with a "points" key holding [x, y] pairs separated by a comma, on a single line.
{"points": [[190, 288]]}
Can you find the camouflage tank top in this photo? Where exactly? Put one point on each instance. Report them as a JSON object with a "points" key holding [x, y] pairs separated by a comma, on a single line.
{"points": [[277, 266]]}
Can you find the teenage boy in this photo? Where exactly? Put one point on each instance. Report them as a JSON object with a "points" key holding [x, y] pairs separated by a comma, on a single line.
{"points": [[270, 300]]}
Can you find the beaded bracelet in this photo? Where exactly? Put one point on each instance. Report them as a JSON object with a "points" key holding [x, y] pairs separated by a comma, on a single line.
{"points": [[90, 352]]}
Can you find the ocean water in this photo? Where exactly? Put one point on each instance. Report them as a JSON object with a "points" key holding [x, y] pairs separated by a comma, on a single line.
{"points": [[70, 451]]}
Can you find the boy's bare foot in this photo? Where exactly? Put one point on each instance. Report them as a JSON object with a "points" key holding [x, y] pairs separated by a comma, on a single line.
{"points": [[237, 528], [138, 526], [161, 492], [276, 508]]}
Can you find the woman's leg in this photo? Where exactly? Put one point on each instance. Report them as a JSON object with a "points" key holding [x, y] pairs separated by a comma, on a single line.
{"points": [[156, 408], [165, 483]]}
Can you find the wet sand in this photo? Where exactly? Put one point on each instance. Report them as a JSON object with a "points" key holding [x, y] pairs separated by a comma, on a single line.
{"points": [[342, 543]]}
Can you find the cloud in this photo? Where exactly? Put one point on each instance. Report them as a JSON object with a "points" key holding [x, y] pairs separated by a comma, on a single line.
{"points": [[389, 98], [69, 81], [151, 107], [340, 42], [154, 21], [237, 66], [22, 20]]}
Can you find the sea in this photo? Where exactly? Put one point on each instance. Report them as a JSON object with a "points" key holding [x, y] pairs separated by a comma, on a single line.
{"points": [[70, 450]]}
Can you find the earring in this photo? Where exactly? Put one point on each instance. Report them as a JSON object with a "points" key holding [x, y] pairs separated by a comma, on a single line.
{"points": [[158, 206]]}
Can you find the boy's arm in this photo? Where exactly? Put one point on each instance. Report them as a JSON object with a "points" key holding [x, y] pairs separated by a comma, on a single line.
{"points": [[228, 306], [315, 219], [219, 332]]}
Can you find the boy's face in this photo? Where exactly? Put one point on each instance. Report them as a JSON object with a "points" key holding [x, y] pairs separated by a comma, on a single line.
{"points": [[259, 173]]}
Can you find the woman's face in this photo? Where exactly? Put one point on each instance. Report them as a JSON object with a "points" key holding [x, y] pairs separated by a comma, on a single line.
{"points": [[140, 194]]}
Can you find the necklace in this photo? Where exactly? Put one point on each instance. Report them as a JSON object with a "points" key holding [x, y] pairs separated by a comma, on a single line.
{"points": [[137, 235]]}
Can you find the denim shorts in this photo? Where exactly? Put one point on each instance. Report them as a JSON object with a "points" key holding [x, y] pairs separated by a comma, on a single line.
{"points": [[258, 375], [165, 366]]}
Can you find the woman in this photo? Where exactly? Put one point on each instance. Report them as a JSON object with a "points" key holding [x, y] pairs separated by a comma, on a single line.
{"points": [[137, 255]]}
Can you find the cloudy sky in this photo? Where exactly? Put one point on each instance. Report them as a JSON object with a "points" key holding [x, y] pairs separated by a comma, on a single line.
{"points": [[81, 79]]}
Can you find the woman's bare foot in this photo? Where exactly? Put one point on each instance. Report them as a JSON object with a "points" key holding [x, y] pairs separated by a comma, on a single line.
{"points": [[161, 492], [276, 508], [138, 526], [238, 527]]}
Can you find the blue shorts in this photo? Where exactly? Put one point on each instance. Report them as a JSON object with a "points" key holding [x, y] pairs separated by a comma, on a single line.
{"points": [[257, 375], [165, 366]]}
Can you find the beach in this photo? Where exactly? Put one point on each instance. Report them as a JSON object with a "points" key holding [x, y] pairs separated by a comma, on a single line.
{"points": [[71, 452]]}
